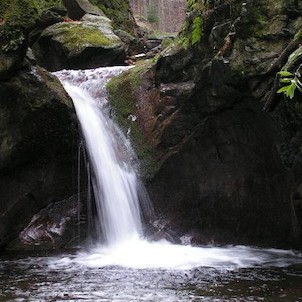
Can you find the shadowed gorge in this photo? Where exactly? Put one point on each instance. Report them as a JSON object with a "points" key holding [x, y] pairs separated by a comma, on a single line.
{"points": [[141, 164]]}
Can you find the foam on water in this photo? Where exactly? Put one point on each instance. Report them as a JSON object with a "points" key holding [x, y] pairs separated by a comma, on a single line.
{"points": [[141, 254]]}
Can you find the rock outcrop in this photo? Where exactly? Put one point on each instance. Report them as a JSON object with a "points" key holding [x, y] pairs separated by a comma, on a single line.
{"points": [[38, 147], [212, 156]]}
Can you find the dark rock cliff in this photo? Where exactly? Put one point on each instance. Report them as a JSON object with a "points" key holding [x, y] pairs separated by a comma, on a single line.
{"points": [[213, 157]]}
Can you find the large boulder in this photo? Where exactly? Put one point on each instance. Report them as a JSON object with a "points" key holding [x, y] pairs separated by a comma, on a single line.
{"points": [[75, 45], [38, 146], [210, 154]]}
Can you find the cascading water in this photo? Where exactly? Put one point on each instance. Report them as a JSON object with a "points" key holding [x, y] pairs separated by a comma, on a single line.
{"points": [[128, 267], [118, 194], [116, 185]]}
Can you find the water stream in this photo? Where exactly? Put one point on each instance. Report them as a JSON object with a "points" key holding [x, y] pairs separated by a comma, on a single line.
{"points": [[124, 265]]}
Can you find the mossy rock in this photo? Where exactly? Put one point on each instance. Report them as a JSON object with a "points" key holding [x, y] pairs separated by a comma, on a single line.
{"points": [[85, 44], [51, 4], [17, 19], [77, 36], [124, 95]]}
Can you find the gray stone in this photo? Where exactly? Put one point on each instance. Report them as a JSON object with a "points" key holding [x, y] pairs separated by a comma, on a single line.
{"points": [[76, 9]]}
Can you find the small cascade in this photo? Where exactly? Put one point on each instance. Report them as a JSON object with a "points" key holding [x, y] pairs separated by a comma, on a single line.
{"points": [[117, 189]]}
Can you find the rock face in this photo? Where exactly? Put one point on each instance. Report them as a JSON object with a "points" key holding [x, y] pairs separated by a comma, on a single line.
{"points": [[38, 145], [217, 169], [75, 45]]}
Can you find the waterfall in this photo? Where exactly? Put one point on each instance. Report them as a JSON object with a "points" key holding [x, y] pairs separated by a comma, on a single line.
{"points": [[116, 186], [119, 193]]}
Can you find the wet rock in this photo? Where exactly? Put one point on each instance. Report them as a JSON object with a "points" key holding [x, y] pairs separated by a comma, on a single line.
{"points": [[59, 225]]}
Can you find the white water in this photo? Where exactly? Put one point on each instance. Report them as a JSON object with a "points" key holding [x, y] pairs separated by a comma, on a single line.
{"points": [[117, 192], [115, 183]]}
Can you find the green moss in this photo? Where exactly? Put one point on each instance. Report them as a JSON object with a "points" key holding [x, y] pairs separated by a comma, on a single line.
{"points": [[191, 32], [196, 30], [128, 83], [20, 12], [75, 36], [298, 35], [47, 4], [123, 91]]}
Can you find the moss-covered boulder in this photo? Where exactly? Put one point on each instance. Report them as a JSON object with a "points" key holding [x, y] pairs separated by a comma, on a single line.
{"points": [[38, 145], [74, 45]]}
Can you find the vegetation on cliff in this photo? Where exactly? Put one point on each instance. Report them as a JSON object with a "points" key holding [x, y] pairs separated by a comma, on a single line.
{"points": [[124, 91]]}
